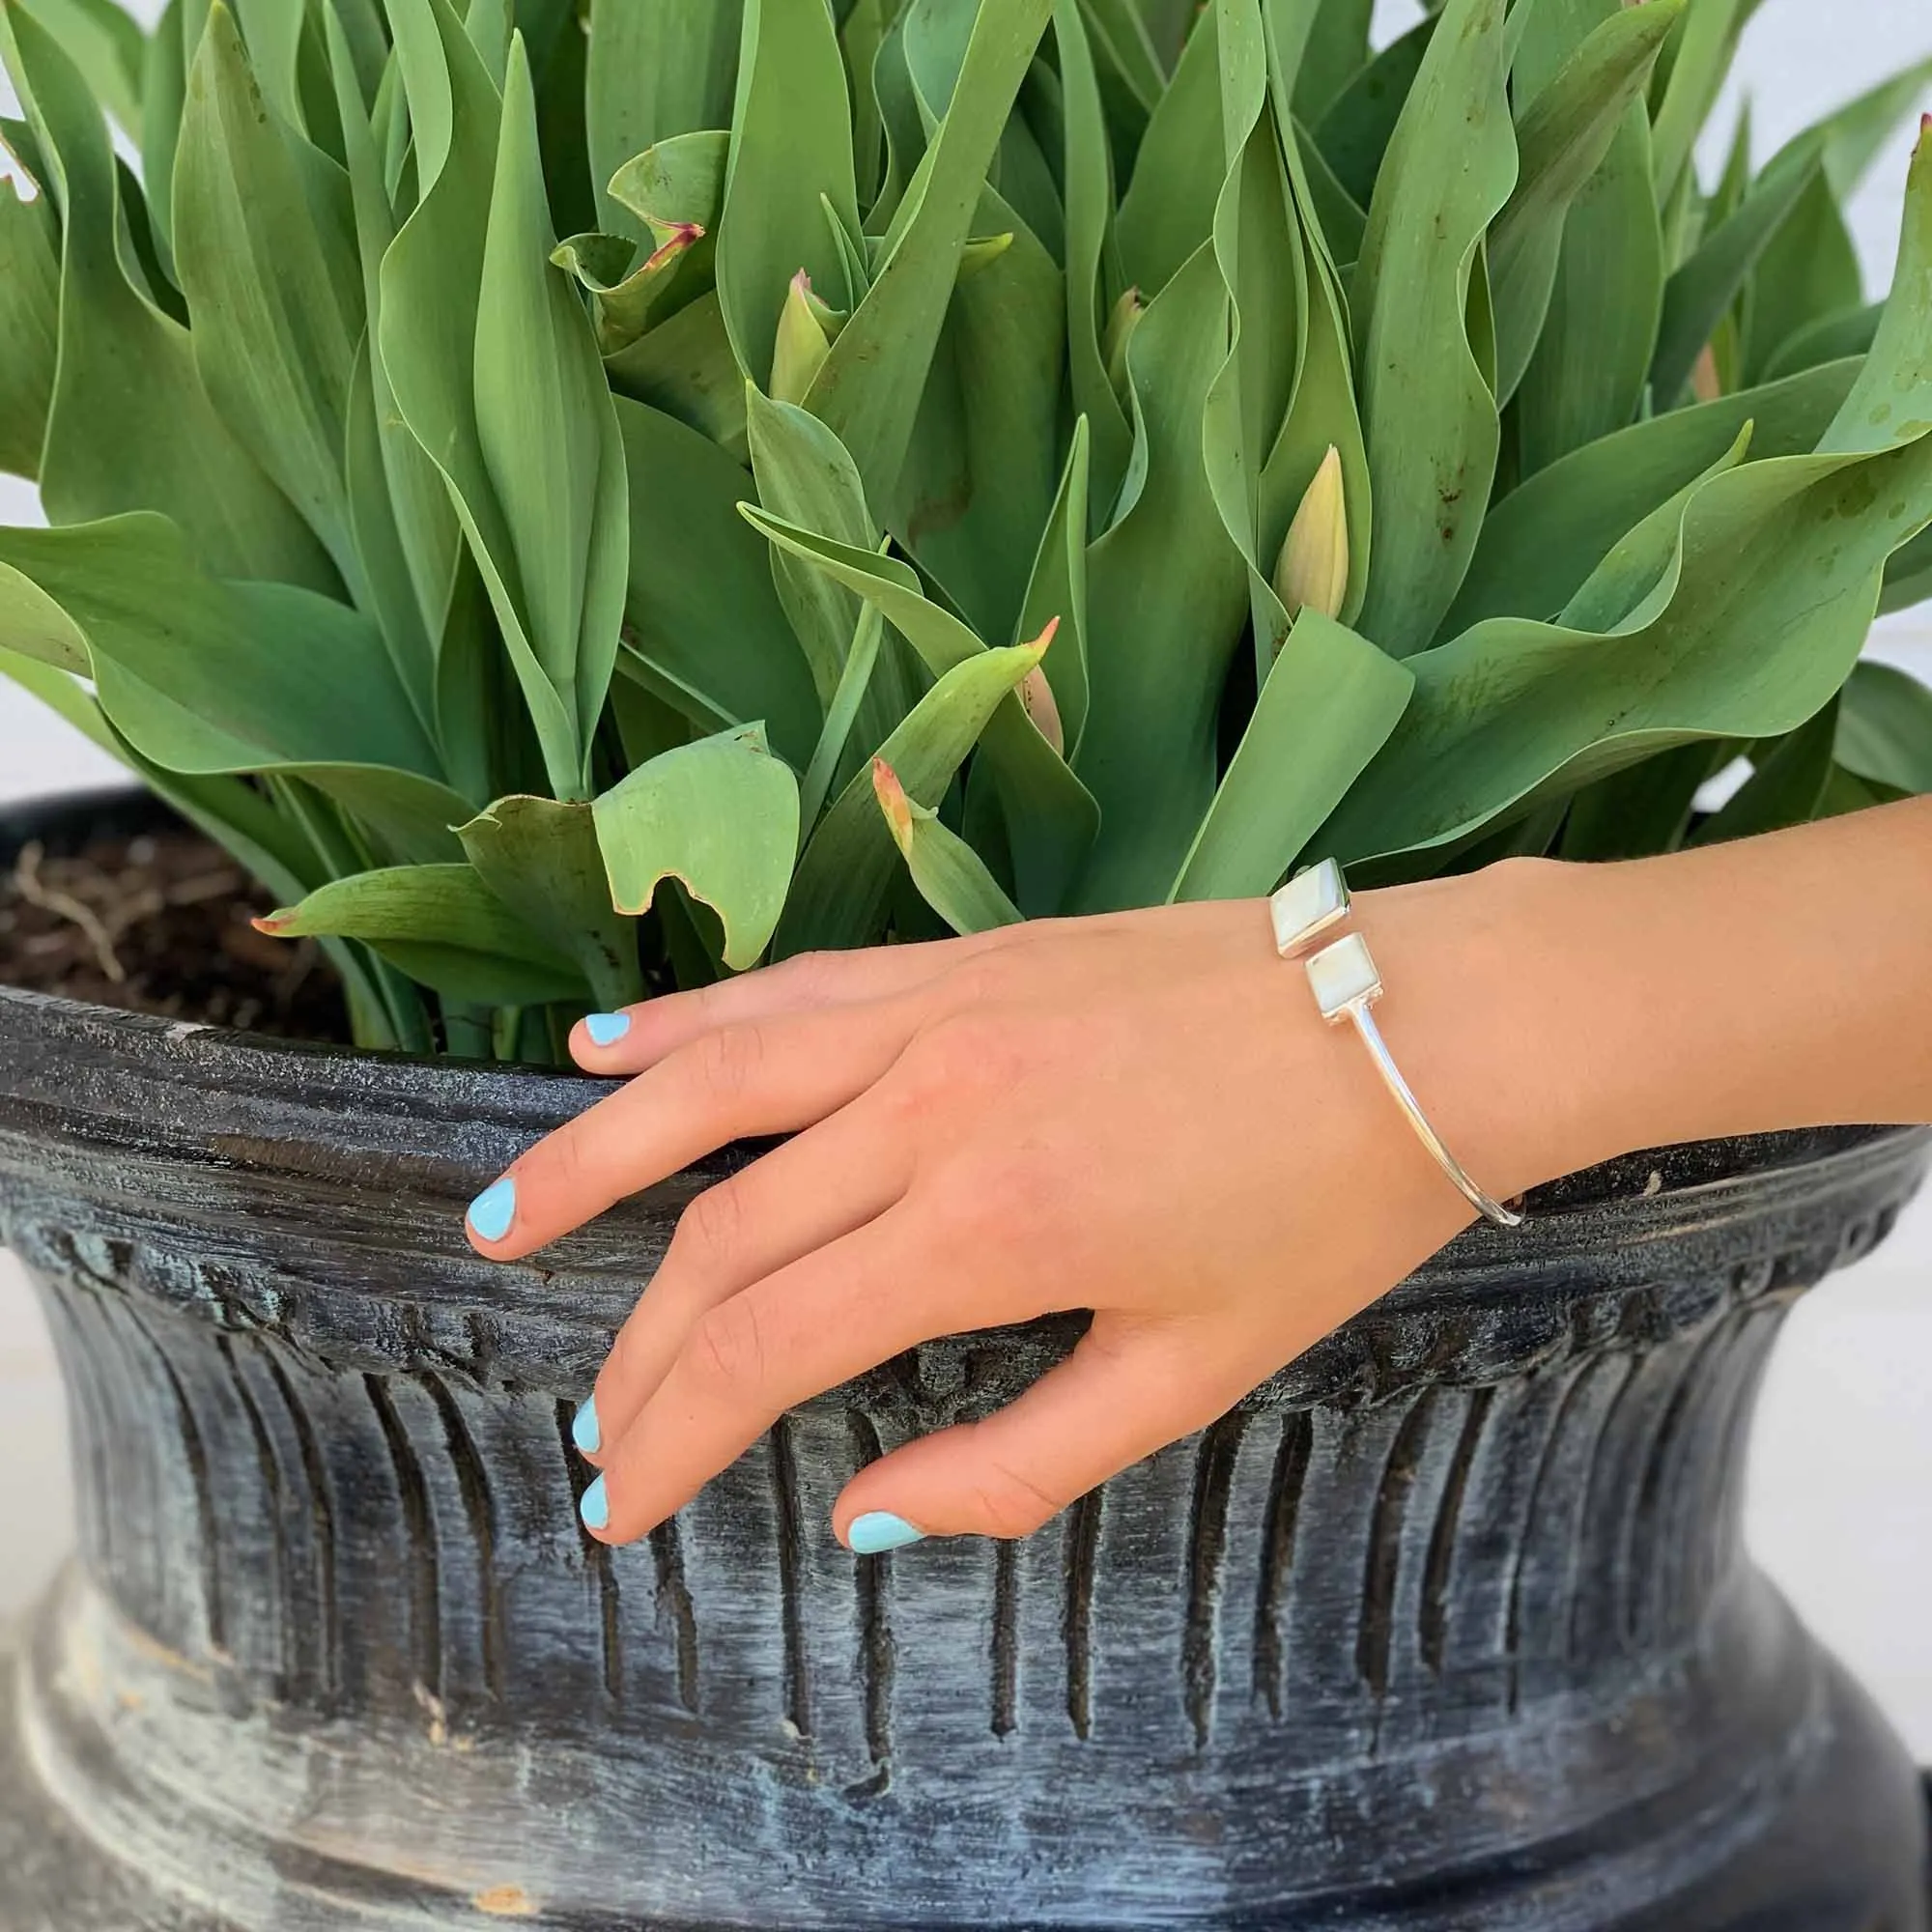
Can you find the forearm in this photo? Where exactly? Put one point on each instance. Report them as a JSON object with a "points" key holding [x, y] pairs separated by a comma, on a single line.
{"points": [[1573, 1012], [1780, 981]]}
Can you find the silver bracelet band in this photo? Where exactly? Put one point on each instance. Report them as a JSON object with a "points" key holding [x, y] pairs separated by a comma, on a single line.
{"points": [[1345, 984]]}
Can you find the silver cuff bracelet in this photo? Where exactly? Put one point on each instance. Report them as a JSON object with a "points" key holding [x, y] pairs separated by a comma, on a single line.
{"points": [[1345, 984]]}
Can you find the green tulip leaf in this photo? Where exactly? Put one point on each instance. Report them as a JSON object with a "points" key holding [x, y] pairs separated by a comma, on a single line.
{"points": [[806, 477], [1562, 139], [131, 426], [543, 861], [548, 434], [1057, 589], [1542, 540], [274, 294], [1088, 170], [1167, 597], [791, 148], [1696, 296], [1700, 55], [685, 366], [1787, 785], [843, 884], [444, 927], [868, 388], [948, 873], [719, 817], [1168, 210], [1885, 728], [1050, 816], [1328, 706], [1429, 413], [657, 69], [179, 661], [29, 323], [978, 480], [701, 624], [1353, 132]]}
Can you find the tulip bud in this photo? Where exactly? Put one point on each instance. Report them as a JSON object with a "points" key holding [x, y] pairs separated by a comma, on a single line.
{"points": [[1120, 327], [1312, 569], [894, 804], [806, 329], [1037, 696]]}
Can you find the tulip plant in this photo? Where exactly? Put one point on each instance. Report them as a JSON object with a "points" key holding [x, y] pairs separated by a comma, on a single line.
{"points": [[583, 495]]}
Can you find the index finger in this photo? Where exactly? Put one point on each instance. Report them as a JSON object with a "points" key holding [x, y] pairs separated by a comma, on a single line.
{"points": [[637, 1037], [735, 1081]]}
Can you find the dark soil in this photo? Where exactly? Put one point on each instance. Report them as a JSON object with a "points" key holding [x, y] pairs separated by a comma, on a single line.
{"points": [[159, 924]]}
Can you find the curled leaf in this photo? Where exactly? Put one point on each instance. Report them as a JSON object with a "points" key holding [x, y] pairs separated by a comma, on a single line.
{"points": [[950, 875], [807, 331], [623, 296]]}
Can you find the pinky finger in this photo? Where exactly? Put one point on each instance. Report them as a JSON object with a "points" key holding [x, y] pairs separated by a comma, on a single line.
{"points": [[1127, 1390]]}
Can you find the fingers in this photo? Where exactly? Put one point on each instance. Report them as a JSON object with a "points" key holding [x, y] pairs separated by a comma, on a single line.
{"points": [[641, 1036], [804, 1195], [738, 1082], [1127, 1390], [838, 1311]]}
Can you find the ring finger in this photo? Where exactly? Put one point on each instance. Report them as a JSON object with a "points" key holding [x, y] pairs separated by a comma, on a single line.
{"points": [[804, 1195]]}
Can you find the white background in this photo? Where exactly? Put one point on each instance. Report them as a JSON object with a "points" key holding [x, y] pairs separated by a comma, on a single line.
{"points": [[1841, 1495]]}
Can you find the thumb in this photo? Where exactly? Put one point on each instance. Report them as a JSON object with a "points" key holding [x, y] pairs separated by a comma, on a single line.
{"points": [[1127, 1390]]}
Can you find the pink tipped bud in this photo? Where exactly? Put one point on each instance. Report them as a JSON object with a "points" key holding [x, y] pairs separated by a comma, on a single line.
{"points": [[1044, 641], [893, 803], [1120, 327], [1037, 696]]}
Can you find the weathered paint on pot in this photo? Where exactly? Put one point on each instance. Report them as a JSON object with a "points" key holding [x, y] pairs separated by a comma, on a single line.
{"points": [[1449, 1625]]}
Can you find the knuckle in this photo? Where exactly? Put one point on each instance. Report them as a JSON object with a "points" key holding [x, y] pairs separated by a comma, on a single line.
{"points": [[726, 1351], [725, 1063], [977, 982], [966, 1054], [1009, 1503], [811, 974], [710, 1229], [565, 1156]]}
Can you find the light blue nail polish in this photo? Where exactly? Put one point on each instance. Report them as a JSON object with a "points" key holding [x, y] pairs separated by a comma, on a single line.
{"points": [[607, 1029], [880, 1530], [596, 1505], [494, 1209], [584, 1431]]}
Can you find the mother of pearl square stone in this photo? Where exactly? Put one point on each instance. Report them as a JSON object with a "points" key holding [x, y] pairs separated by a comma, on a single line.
{"points": [[1343, 974], [1307, 906]]}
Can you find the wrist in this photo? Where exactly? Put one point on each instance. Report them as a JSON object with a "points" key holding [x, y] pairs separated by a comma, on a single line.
{"points": [[1486, 989]]}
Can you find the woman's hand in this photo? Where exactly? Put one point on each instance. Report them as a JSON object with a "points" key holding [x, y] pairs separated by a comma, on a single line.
{"points": [[1142, 1114]]}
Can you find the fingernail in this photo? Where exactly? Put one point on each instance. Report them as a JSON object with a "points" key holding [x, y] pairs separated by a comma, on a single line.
{"points": [[596, 1506], [880, 1530], [607, 1029], [493, 1210], [584, 1432]]}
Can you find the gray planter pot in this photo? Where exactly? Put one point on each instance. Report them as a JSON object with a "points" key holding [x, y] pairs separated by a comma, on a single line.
{"points": [[1449, 1625]]}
